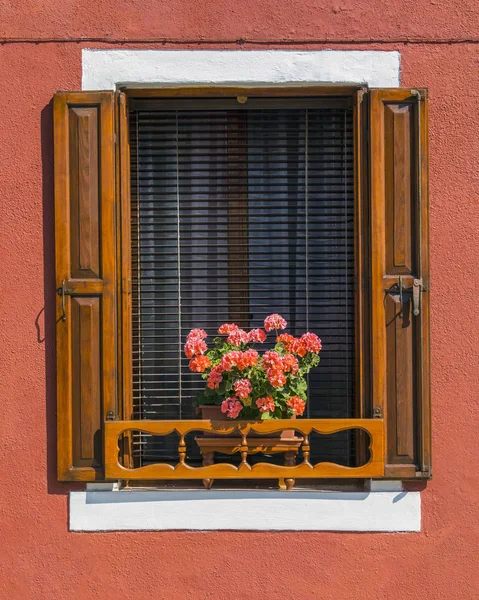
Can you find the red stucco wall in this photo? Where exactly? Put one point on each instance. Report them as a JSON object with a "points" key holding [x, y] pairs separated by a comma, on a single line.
{"points": [[39, 558]]}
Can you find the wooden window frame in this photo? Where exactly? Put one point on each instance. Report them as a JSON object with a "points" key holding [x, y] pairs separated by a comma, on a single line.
{"points": [[362, 317], [361, 234], [371, 291]]}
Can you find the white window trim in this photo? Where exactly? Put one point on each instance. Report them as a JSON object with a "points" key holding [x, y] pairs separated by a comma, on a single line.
{"points": [[109, 69], [385, 507]]}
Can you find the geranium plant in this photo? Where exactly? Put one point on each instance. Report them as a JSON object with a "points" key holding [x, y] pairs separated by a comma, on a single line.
{"points": [[248, 384]]}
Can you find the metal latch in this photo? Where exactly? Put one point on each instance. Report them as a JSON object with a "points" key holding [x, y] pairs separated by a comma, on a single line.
{"points": [[64, 291], [416, 296], [417, 288]]}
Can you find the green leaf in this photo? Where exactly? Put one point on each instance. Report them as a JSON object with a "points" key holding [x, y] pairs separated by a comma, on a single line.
{"points": [[277, 413]]}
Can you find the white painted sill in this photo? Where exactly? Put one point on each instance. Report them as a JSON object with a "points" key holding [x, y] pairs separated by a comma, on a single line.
{"points": [[245, 510]]}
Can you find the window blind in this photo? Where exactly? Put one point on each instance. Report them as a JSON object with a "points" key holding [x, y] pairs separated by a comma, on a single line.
{"points": [[238, 212]]}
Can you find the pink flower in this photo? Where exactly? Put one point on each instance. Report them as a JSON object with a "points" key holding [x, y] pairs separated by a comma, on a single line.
{"points": [[256, 335], [232, 407], [272, 360], [311, 342], [227, 328], [274, 322], [231, 359], [243, 388], [276, 377], [290, 363], [215, 378], [237, 337], [297, 404], [196, 333], [265, 404], [250, 358], [199, 364], [195, 346]]}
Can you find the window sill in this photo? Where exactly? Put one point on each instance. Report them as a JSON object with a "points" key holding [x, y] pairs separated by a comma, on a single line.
{"points": [[245, 510]]}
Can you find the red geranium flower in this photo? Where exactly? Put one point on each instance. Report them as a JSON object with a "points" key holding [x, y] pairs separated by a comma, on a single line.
{"points": [[265, 404], [297, 404], [199, 364]]}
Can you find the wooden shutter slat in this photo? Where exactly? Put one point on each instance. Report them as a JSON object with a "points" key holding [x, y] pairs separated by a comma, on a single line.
{"points": [[399, 251], [85, 267]]}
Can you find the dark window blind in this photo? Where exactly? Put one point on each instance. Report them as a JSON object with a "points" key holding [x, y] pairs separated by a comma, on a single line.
{"points": [[237, 214]]}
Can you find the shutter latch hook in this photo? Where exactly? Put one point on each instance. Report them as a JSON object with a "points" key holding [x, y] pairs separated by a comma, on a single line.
{"points": [[416, 296], [61, 292]]}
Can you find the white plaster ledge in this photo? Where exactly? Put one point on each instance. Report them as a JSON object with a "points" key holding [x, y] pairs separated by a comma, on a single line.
{"points": [[107, 69], [135, 510]]}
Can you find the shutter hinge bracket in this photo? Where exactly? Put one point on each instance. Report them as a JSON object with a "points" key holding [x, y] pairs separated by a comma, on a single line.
{"points": [[418, 94], [361, 92], [111, 416], [377, 412]]}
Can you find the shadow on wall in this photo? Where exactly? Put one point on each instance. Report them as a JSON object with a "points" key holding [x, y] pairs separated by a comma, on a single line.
{"points": [[46, 333]]}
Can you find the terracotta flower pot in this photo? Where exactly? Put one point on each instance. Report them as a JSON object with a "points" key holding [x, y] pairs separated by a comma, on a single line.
{"points": [[213, 412]]}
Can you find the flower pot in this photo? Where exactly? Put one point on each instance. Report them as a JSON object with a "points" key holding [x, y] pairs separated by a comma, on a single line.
{"points": [[213, 413]]}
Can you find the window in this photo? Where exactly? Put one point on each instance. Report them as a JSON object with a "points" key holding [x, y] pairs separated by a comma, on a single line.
{"points": [[180, 212], [239, 211]]}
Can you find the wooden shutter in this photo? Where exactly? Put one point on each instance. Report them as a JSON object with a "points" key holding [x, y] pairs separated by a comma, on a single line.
{"points": [[400, 271], [85, 246]]}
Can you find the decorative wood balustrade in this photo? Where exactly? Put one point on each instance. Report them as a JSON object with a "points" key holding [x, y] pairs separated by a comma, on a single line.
{"points": [[262, 470]]}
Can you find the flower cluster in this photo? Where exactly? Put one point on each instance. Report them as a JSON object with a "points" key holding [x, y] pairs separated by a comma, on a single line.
{"points": [[297, 404], [246, 384], [266, 404], [238, 336], [274, 322], [277, 366], [232, 407], [240, 360], [195, 343], [308, 342], [199, 363], [242, 388]]}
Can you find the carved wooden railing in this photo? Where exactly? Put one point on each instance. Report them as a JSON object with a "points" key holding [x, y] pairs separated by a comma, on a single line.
{"points": [[373, 468]]}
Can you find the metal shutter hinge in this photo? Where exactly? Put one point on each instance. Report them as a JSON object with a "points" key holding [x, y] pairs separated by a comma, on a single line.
{"points": [[111, 416]]}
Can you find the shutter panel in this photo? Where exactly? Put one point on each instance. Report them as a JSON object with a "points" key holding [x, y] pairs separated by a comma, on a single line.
{"points": [[85, 277], [400, 277]]}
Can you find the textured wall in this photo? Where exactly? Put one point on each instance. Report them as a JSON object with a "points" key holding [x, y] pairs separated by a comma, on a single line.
{"points": [[276, 20], [39, 558]]}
